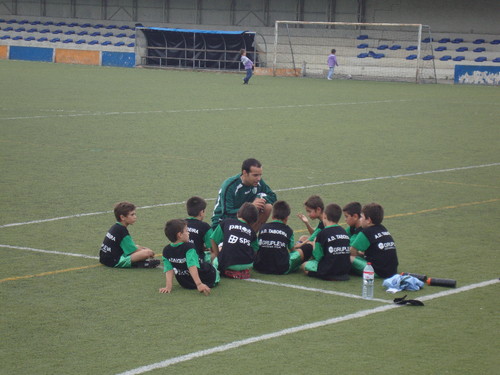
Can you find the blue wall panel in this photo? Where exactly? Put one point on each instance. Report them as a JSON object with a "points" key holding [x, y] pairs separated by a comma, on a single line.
{"points": [[123, 59], [477, 75], [31, 53]]}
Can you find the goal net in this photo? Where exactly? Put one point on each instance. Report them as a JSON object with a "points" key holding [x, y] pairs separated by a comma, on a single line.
{"points": [[377, 51]]}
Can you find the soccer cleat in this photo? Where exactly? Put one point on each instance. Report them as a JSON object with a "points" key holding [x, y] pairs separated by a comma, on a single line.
{"points": [[148, 263], [242, 275]]}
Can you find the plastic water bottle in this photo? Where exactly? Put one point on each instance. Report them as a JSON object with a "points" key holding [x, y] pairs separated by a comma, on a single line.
{"points": [[368, 279]]}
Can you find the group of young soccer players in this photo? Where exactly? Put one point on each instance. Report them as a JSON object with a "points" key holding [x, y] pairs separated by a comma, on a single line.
{"points": [[198, 254]]}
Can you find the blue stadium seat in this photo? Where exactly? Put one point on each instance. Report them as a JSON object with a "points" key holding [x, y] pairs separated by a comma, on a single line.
{"points": [[109, 27], [68, 41], [98, 26], [34, 23], [30, 38], [17, 37], [33, 30], [363, 45], [44, 31], [479, 49], [362, 55], [59, 24], [124, 27], [3, 37], [12, 21], [8, 28], [73, 24], [23, 22], [42, 39], [81, 33], [457, 40], [462, 49], [444, 40], [69, 32], [479, 41], [106, 43], [480, 59], [119, 44], [382, 47], [496, 60], [411, 48], [496, 41], [107, 35], [95, 33], [428, 57], [459, 58], [395, 47], [80, 41], [131, 45], [85, 25], [362, 37], [58, 31], [427, 40], [48, 23], [20, 29], [55, 40], [411, 57], [440, 48], [92, 42], [121, 35], [445, 58]]}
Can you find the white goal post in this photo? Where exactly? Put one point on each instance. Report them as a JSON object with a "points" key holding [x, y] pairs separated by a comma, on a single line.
{"points": [[378, 51]]}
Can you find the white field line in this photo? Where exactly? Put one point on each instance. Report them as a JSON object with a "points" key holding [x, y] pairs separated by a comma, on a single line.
{"points": [[276, 190], [300, 287], [49, 251], [65, 115], [288, 331]]}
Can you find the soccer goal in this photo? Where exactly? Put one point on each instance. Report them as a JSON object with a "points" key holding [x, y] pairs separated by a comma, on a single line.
{"points": [[376, 51]]}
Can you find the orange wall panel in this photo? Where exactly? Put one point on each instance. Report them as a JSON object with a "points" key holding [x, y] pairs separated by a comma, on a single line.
{"points": [[72, 56], [3, 52]]}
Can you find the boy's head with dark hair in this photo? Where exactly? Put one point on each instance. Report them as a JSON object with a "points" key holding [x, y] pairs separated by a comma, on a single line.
{"points": [[123, 209], [332, 212], [173, 228], [314, 202], [248, 163], [281, 210], [243, 51], [195, 205], [352, 208], [333, 51], [248, 212], [374, 212]]}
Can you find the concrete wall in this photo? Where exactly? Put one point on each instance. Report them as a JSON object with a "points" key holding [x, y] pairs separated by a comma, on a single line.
{"points": [[453, 16]]}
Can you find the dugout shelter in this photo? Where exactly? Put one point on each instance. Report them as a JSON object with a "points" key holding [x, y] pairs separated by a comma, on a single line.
{"points": [[192, 48]]}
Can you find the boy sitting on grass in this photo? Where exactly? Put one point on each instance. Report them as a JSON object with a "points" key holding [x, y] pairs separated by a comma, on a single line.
{"points": [[374, 244], [352, 214], [181, 259], [331, 254], [314, 208], [118, 249], [276, 241], [239, 243], [199, 231]]}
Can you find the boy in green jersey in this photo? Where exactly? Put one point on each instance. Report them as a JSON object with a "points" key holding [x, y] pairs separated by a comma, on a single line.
{"points": [[245, 187], [352, 214], [181, 260], [199, 231], [314, 208], [118, 249]]}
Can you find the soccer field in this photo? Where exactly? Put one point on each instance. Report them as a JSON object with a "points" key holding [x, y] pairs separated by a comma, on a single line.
{"points": [[77, 139]]}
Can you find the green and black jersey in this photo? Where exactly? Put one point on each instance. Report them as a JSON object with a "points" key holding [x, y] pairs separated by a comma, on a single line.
{"points": [[275, 242], [117, 242], [199, 235], [233, 193], [332, 252]]}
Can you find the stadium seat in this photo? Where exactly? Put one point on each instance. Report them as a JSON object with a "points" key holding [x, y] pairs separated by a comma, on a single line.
{"points": [[131, 45], [58, 31], [106, 43], [34, 23], [73, 24], [411, 57], [132, 36], [85, 25], [92, 42], [3, 37], [68, 41], [427, 40], [48, 23], [496, 60], [119, 44], [81, 33], [69, 32], [362, 55], [44, 31], [30, 38], [12, 21], [20, 29], [459, 58], [17, 37], [109, 27], [462, 49], [445, 58], [107, 35], [479, 41], [121, 35], [124, 27], [444, 40], [42, 39], [480, 49], [480, 59], [55, 40], [395, 47], [362, 37], [457, 40], [80, 41], [440, 48], [59, 24], [411, 48], [428, 57], [33, 30], [363, 45], [496, 41], [98, 26], [8, 28], [95, 33], [382, 47], [23, 22]]}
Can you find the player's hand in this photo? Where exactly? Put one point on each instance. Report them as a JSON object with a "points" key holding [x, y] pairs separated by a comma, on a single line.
{"points": [[260, 203], [202, 288], [303, 218], [165, 290]]}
